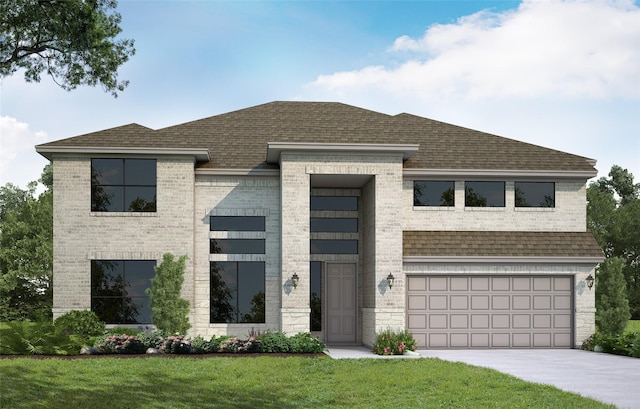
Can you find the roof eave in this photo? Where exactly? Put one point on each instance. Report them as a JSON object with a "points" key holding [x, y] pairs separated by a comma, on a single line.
{"points": [[199, 154], [590, 260], [499, 173]]}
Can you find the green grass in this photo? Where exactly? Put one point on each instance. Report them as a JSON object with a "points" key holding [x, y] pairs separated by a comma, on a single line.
{"points": [[268, 382], [633, 326]]}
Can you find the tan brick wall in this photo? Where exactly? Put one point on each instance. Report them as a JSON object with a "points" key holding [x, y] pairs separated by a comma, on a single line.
{"points": [[81, 236]]}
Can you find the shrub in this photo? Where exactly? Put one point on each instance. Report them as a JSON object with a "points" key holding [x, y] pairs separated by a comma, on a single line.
{"points": [[29, 338], [305, 343], [151, 339], [612, 307], [84, 323], [169, 309], [199, 345], [275, 342], [176, 344], [626, 344], [235, 345], [389, 342], [590, 343], [122, 331], [120, 344]]}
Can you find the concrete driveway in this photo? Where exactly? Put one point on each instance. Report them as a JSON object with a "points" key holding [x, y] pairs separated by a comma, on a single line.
{"points": [[604, 377]]}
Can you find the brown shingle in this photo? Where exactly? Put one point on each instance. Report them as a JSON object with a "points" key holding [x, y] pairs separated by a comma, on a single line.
{"points": [[500, 244], [239, 139]]}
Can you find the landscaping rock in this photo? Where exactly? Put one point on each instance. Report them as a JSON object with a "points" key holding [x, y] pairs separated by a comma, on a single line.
{"points": [[89, 351], [154, 351]]}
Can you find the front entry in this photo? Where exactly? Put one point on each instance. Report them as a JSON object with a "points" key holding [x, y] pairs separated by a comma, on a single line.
{"points": [[341, 303]]}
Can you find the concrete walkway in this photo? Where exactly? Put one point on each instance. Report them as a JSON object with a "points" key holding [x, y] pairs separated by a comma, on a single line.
{"points": [[608, 378]]}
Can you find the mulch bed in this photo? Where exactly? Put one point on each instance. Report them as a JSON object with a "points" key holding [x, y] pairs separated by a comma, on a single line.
{"points": [[143, 356]]}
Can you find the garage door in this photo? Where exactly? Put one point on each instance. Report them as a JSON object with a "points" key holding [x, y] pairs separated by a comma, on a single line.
{"points": [[490, 311]]}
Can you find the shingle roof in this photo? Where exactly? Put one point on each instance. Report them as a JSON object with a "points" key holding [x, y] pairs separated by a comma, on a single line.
{"points": [[239, 139], [500, 244]]}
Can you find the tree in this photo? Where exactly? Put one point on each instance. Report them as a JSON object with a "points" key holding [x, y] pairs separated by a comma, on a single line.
{"points": [[73, 41], [613, 215], [612, 307], [26, 251], [169, 309]]}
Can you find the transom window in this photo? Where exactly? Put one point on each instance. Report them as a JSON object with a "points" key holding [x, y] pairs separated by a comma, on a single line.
{"points": [[237, 246], [236, 223], [484, 194], [334, 246], [118, 290], [123, 185], [330, 224], [237, 292], [336, 203], [535, 194], [433, 193]]}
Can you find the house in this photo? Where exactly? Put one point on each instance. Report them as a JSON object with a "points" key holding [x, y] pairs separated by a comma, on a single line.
{"points": [[324, 217]]}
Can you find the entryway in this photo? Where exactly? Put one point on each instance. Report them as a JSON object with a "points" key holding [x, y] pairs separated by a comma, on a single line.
{"points": [[341, 303]]}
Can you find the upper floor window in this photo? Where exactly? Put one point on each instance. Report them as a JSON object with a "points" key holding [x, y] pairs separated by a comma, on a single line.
{"points": [[535, 194], [123, 185], [334, 246], [118, 290], [331, 225], [433, 193], [484, 194], [336, 203], [236, 246], [236, 223]]}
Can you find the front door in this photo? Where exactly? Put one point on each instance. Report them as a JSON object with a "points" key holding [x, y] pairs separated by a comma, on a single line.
{"points": [[341, 303]]}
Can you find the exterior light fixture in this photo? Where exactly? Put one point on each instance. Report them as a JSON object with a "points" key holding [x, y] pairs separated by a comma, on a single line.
{"points": [[294, 280], [390, 280], [590, 281]]}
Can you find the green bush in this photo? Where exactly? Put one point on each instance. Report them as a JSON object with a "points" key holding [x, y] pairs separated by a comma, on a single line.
{"points": [[151, 339], [120, 344], [83, 323], [627, 344], [389, 342], [122, 331], [176, 344], [29, 338], [305, 343], [170, 311], [235, 345], [275, 342], [612, 307]]}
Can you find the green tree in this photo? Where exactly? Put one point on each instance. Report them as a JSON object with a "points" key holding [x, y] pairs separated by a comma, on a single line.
{"points": [[73, 41], [612, 307], [169, 309], [613, 215], [26, 251]]}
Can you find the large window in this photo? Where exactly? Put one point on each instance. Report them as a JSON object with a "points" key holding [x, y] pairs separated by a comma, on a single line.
{"points": [[237, 246], [315, 270], [535, 194], [118, 290], [237, 292], [433, 193], [123, 185], [236, 223], [484, 194]]}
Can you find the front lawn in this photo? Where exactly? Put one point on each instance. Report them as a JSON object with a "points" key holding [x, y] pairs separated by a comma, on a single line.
{"points": [[268, 382]]}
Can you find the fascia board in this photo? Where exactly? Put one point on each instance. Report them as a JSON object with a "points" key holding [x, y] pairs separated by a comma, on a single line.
{"points": [[200, 154], [500, 260], [497, 173]]}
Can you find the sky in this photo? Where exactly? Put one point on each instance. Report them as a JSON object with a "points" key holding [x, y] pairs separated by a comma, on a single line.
{"points": [[560, 74]]}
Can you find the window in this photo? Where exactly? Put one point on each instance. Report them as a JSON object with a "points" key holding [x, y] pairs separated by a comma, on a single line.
{"points": [[236, 223], [237, 246], [535, 194], [118, 290], [484, 194], [433, 193], [237, 292], [349, 225], [123, 185], [315, 270], [334, 246], [334, 203]]}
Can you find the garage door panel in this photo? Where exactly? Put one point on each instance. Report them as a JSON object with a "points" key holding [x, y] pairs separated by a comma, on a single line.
{"points": [[490, 311]]}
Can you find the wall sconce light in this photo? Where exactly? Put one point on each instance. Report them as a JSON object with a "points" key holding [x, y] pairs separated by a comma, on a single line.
{"points": [[294, 280], [590, 281], [390, 280]]}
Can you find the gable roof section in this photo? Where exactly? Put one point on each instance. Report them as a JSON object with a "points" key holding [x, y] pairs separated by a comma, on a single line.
{"points": [[238, 139], [515, 245]]}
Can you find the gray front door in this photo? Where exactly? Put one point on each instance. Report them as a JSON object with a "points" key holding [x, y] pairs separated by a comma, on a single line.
{"points": [[341, 303]]}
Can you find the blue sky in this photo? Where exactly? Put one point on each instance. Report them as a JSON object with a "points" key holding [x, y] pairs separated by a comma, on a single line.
{"points": [[561, 74]]}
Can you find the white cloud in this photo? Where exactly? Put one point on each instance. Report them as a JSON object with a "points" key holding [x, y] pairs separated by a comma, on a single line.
{"points": [[568, 49], [18, 156]]}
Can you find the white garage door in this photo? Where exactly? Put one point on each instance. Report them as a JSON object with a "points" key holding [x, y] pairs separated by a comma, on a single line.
{"points": [[490, 311]]}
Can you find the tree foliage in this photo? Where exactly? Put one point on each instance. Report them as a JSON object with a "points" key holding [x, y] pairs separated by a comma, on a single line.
{"points": [[613, 215], [73, 41], [169, 309], [612, 307], [26, 251]]}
